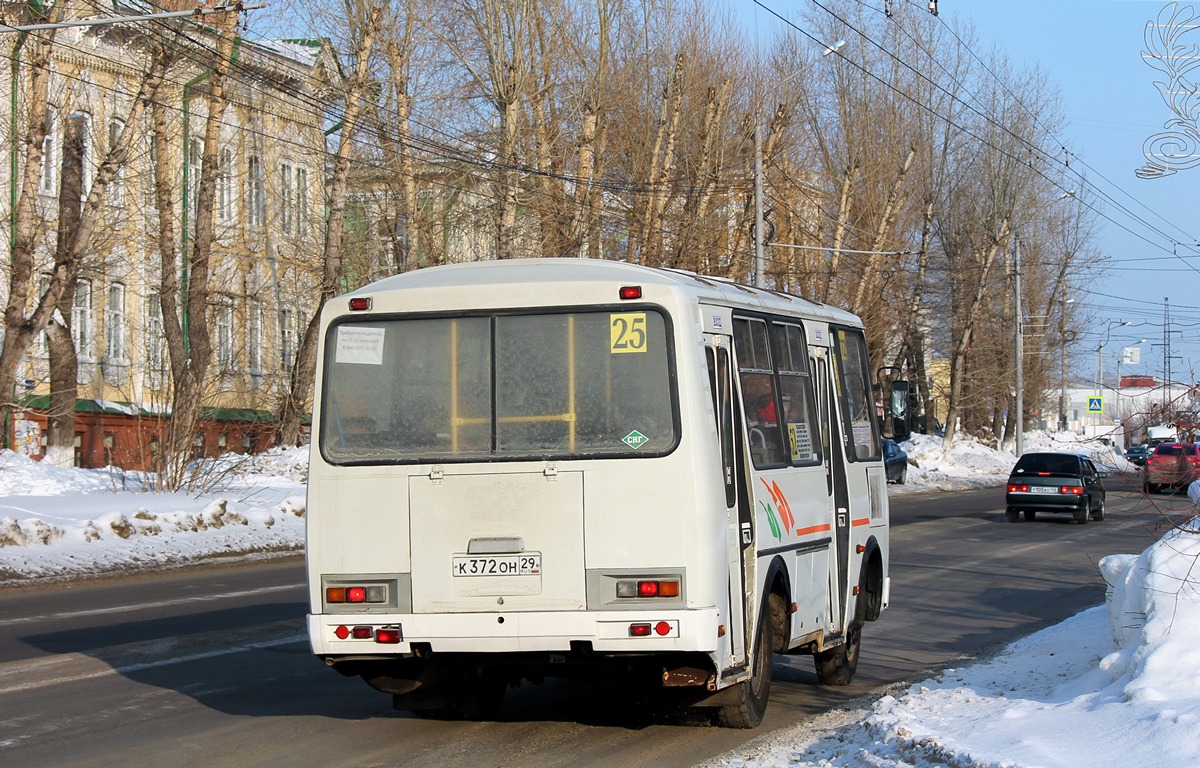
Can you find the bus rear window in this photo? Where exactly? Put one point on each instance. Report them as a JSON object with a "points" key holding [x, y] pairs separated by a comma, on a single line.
{"points": [[501, 386]]}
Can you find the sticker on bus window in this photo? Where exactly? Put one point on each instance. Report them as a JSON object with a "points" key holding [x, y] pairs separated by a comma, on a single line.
{"points": [[800, 441], [627, 332], [635, 439], [363, 346]]}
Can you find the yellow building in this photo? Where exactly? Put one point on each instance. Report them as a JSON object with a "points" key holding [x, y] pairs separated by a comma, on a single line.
{"points": [[269, 213]]}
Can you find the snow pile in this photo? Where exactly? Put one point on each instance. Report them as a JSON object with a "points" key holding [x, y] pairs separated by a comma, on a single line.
{"points": [[1116, 686], [971, 464], [62, 522]]}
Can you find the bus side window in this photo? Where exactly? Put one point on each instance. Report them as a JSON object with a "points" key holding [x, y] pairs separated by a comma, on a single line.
{"points": [[795, 384], [759, 401], [718, 378]]}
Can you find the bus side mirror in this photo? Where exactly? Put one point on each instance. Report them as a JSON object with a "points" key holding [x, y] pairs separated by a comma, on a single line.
{"points": [[901, 414]]}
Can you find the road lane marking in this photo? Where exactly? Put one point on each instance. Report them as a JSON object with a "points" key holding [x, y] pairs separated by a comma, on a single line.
{"points": [[30, 674], [144, 606]]}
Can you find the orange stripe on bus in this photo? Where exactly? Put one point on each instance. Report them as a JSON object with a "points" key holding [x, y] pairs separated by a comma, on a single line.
{"points": [[813, 529], [860, 521]]}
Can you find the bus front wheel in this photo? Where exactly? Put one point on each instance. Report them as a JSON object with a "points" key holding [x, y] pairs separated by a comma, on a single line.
{"points": [[750, 705]]}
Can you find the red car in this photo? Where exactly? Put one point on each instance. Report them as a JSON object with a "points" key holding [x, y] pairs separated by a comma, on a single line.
{"points": [[1172, 465]]}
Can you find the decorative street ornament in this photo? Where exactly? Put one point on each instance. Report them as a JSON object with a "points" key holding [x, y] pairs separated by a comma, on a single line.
{"points": [[1176, 148]]}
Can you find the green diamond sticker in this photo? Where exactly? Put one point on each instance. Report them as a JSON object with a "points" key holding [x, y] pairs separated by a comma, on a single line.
{"points": [[635, 439]]}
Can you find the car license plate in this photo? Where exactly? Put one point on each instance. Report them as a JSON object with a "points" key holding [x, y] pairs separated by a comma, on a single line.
{"points": [[1043, 489], [524, 564]]}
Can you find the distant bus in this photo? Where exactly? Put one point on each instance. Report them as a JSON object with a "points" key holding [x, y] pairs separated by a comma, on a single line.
{"points": [[573, 467]]}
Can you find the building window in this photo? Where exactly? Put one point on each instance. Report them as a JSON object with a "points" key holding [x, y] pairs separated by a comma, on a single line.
{"points": [[287, 335], [114, 329], [49, 180], [301, 201], [254, 339], [79, 139], [116, 187], [256, 193], [155, 342], [286, 198], [195, 163], [150, 186], [81, 330], [225, 186], [225, 337]]}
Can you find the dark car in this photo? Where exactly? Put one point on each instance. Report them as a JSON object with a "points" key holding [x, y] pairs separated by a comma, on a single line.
{"points": [[895, 462], [1138, 454], [1055, 482], [1172, 465]]}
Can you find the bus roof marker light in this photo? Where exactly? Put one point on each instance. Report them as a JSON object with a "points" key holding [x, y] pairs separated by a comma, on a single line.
{"points": [[360, 303], [628, 292]]}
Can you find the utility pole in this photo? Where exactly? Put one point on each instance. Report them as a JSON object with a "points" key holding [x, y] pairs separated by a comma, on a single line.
{"points": [[1020, 349]]}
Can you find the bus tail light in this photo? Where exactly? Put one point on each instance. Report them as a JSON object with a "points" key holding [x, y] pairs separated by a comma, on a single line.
{"points": [[630, 292], [358, 633], [369, 593], [360, 303], [648, 588], [648, 629], [389, 635]]}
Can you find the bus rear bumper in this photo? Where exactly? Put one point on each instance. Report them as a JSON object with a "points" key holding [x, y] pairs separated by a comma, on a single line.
{"points": [[605, 631]]}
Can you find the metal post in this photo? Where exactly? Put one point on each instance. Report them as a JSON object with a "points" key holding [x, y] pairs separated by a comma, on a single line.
{"points": [[760, 266], [1020, 350], [1062, 392]]}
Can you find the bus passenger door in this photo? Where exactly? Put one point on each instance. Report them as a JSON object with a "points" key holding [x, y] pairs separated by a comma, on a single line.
{"points": [[737, 514], [834, 446]]}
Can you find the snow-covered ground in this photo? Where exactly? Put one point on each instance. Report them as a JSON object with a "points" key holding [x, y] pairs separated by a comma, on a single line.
{"points": [[1117, 685]]}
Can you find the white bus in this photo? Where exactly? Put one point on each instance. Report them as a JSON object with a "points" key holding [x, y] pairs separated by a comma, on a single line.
{"points": [[567, 467]]}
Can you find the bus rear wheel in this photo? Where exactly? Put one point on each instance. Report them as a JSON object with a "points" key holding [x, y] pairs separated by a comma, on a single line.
{"points": [[466, 698], [750, 704], [837, 665]]}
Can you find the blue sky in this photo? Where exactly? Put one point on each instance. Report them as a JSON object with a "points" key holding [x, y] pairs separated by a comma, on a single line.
{"points": [[1092, 51]]}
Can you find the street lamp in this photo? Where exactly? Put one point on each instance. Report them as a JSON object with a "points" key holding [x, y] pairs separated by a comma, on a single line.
{"points": [[1099, 350], [760, 265]]}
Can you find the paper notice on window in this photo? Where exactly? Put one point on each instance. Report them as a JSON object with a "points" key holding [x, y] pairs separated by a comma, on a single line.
{"points": [[361, 346]]}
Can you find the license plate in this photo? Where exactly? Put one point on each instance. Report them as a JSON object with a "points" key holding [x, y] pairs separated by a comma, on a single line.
{"points": [[1043, 489], [524, 564]]}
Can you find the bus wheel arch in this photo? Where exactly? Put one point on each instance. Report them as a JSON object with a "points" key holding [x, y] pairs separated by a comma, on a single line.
{"points": [[748, 700], [778, 603], [870, 583]]}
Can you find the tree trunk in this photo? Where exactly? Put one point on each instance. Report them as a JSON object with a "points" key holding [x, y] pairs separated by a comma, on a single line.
{"points": [[20, 330], [190, 347], [304, 369], [960, 350]]}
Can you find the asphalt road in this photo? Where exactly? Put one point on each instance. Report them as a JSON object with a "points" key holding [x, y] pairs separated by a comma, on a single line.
{"points": [[210, 666]]}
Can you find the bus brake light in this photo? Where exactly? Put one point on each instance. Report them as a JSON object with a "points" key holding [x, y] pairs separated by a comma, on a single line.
{"points": [[387, 635], [648, 588], [360, 303], [630, 292]]}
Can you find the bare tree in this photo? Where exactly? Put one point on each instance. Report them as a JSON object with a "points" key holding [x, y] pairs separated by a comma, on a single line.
{"points": [[302, 373], [190, 345]]}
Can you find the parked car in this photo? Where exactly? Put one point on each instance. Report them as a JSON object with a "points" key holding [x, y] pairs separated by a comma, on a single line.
{"points": [[895, 462], [1172, 465], [1052, 481], [1138, 454]]}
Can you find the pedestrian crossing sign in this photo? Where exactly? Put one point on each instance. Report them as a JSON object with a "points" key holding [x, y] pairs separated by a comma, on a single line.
{"points": [[1095, 405]]}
